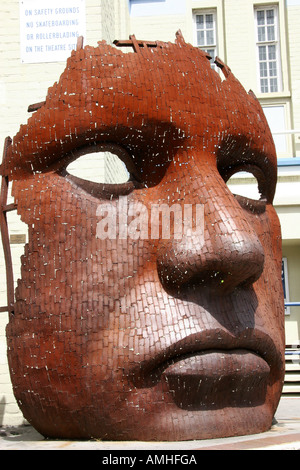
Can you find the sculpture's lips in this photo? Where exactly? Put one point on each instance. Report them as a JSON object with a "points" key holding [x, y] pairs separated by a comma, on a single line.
{"points": [[212, 369], [213, 379], [216, 379]]}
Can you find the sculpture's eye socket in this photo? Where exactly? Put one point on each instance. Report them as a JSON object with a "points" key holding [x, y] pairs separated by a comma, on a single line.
{"points": [[104, 171], [248, 185], [250, 171], [99, 167]]}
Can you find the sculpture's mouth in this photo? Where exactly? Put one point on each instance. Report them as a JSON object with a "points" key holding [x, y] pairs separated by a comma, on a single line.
{"points": [[212, 377], [215, 379]]}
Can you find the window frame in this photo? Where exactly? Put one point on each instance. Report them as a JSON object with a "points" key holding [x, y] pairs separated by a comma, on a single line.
{"points": [[280, 134], [267, 43], [207, 47]]}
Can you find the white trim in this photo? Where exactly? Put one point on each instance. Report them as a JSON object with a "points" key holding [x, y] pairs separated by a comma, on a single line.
{"points": [[287, 132], [287, 310]]}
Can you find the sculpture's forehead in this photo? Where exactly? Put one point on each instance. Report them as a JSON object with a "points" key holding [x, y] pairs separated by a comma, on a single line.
{"points": [[167, 85], [169, 79], [136, 100]]}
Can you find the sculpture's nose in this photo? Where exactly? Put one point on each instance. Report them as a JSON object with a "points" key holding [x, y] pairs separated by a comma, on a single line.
{"points": [[224, 254]]}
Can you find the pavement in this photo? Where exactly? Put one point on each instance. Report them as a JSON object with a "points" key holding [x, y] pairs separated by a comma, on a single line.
{"points": [[284, 435]]}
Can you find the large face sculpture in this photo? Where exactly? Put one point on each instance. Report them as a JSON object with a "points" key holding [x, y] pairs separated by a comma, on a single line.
{"points": [[147, 337]]}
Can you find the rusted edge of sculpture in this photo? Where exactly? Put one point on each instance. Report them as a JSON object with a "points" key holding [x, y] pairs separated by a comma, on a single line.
{"points": [[5, 236]]}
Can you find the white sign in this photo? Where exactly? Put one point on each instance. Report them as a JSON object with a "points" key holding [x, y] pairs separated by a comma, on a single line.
{"points": [[49, 29]]}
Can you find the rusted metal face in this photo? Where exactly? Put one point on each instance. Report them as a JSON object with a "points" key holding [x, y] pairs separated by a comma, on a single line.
{"points": [[143, 334]]}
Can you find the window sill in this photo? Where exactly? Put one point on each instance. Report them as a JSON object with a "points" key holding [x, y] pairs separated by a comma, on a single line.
{"points": [[281, 95]]}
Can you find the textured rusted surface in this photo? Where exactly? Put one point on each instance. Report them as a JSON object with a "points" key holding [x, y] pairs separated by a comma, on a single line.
{"points": [[147, 338], [4, 208]]}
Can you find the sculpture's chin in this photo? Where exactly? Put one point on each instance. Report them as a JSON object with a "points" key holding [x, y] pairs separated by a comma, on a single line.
{"points": [[163, 413], [208, 424], [176, 425]]}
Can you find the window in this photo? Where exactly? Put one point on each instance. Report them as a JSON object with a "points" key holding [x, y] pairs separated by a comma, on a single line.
{"points": [[206, 32], [276, 117], [268, 50]]}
